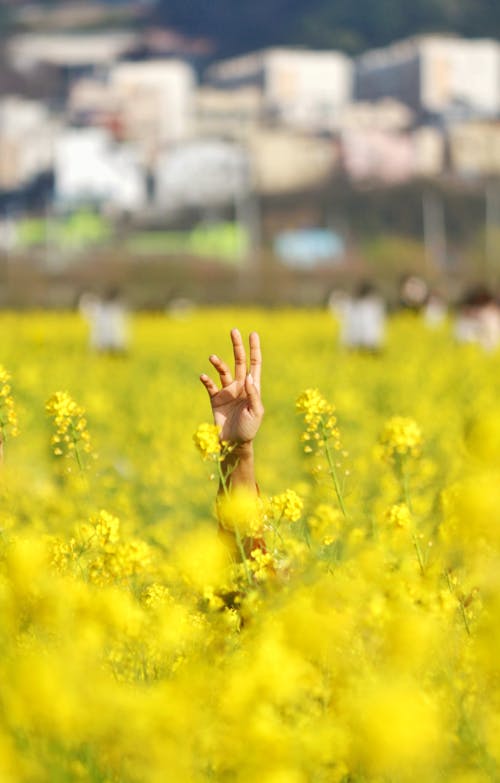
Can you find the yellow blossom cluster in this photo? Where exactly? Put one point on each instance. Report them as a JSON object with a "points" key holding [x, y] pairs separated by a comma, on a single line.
{"points": [[206, 439], [351, 646], [320, 420], [97, 550], [287, 505], [398, 516], [71, 436], [8, 415], [401, 437], [241, 510]]}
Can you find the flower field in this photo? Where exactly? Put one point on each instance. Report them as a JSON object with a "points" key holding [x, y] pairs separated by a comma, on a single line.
{"points": [[360, 645]]}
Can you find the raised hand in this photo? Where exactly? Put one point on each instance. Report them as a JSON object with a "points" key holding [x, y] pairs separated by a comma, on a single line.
{"points": [[237, 407]]}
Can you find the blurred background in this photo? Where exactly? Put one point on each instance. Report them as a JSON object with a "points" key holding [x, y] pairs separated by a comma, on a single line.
{"points": [[266, 153]]}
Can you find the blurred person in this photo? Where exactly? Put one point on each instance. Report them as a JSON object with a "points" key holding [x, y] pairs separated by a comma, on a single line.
{"points": [[413, 293], [363, 320], [478, 319], [108, 321], [237, 412], [435, 309], [338, 302]]}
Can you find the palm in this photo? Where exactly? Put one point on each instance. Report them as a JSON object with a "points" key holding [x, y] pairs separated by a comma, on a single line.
{"points": [[236, 407], [232, 415]]}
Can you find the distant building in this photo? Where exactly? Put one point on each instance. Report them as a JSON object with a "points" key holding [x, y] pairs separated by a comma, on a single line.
{"points": [[67, 51], [91, 101], [437, 76], [284, 161], [91, 168], [429, 150], [374, 155], [392, 157], [27, 133], [202, 173], [386, 114], [76, 14], [300, 88], [474, 148], [156, 102], [231, 114]]}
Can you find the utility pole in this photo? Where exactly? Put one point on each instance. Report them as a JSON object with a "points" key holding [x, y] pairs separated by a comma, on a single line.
{"points": [[492, 228], [434, 231]]}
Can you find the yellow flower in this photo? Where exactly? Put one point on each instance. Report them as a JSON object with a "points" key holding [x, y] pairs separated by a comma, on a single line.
{"points": [[398, 516], [262, 565], [8, 415], [320, 420], [401, 437], [71, 435], [288, 505], [241, 510], [207, 441]]}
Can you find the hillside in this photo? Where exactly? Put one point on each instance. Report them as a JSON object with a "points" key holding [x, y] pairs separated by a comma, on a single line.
{"points": [[236, 26], [344, 24]]}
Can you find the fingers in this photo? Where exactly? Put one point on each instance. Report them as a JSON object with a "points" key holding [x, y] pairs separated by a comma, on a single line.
{"points": [[240, 364], [224, 372], [254, 402], [240, 359], [255, 358], [209, 385]]}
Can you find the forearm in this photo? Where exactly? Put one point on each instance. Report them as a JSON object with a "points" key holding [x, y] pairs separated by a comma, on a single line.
{"points": [[238, 468], [239, 471]]}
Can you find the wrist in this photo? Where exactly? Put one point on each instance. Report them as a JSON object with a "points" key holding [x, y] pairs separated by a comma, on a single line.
{"points": [[238, 466], [244, 449], [239, 454]]}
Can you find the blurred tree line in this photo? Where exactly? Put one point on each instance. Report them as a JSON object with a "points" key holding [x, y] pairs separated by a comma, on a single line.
{"points": [[342, 24]]}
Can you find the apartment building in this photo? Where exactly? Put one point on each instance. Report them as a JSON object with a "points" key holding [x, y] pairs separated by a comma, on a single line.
{"points": [[301, 89], [438, 76], [155, 100], [27, 133]]}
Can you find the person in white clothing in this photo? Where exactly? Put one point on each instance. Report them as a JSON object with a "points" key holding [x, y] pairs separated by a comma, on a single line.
{"points": [[108, 322], [363, 320]]}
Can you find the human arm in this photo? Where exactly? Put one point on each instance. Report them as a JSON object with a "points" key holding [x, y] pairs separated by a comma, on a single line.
{"points": [[237, 410]]}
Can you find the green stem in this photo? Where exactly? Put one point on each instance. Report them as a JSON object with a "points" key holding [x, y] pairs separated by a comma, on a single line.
{"points": [[406, 497], [405, 486], [74, 437], [333, 471], [460, 603], [419, 553]]}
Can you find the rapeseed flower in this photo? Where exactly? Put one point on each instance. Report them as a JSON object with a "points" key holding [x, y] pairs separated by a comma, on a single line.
{"points": [[206, 439], [287, 505], [8, 414], [401, 437], [71, 436], [339, 656]]}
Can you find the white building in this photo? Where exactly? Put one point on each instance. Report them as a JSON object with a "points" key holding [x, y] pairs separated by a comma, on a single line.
{"points": [[90, 167], [300, 88], [474, 149], [27, 132], [203, 172], [284, 161], [228, 113], [25, 52], [435, 75], [156, 101], [387, 114], [389, 156]]}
